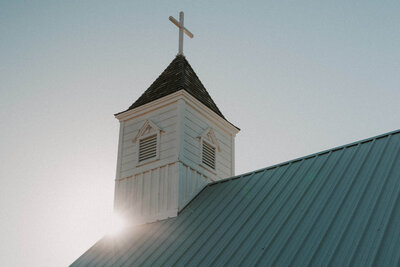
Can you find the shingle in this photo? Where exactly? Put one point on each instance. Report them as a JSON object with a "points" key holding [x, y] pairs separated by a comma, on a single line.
{"points": [[339, 207], [177, 76]]}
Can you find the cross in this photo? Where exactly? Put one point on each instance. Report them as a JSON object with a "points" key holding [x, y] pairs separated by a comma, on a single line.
{"points": [[182, 30]]}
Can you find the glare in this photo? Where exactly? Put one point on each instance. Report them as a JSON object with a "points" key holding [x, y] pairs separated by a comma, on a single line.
{"points": [[117, 225]]}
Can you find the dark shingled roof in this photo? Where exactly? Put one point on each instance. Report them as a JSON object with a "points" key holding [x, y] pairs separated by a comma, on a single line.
{"points": [[177, 76], [340, 207]]}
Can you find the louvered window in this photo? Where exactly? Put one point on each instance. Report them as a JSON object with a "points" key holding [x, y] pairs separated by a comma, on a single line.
{"points": [[148, 148], [208, 155]]}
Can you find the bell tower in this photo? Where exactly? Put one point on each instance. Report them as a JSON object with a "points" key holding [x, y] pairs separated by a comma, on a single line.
{"points": [[173, 141]]}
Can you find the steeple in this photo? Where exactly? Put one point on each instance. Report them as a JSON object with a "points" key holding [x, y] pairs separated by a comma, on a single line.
{"points": [[179, 75], [173, 141]]}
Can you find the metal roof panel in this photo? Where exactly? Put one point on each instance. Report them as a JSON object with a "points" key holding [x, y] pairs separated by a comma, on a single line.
{"points": [[338, 207]]}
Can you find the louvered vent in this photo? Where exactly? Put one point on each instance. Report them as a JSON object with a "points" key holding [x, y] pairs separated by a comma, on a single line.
{"points": [[208, 157], [148, 148]]}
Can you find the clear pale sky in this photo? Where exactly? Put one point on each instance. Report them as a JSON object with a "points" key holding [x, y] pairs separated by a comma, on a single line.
{"points": [[297, 77]]}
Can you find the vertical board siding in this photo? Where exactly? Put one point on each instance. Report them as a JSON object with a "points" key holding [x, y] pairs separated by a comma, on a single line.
{"points": [[191, 182], [149, 194]]}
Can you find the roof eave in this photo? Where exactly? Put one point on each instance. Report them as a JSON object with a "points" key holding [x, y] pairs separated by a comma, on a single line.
{"points": [[166, 100]]}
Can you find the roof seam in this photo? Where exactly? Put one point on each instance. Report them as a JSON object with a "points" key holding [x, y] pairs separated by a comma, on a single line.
{"points": [[300, 199], [319, 185], [352, 175], [289, 197], [359, 201], [235, 201], [335, 183], [376, 204]]}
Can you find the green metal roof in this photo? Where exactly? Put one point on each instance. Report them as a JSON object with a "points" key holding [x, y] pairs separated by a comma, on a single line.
{"points": [[339, 207]]}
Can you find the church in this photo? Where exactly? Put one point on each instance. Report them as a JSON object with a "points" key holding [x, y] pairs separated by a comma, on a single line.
{"points": [[175, 183]]}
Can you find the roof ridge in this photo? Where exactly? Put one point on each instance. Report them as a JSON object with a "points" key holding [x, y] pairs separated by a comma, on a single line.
{"points": [[201, 83], [152, 84], [307, 157]]}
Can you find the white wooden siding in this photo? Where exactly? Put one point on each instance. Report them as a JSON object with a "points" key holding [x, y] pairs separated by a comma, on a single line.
{"points": [[166, 119], [149, 195], [159, 189], [191, 182], [194, 125]]}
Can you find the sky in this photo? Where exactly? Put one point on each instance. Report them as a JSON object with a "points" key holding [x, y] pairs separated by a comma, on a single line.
{"points": [[297, 77]]}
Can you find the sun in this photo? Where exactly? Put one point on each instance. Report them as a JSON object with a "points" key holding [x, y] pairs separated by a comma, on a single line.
{"points": [[117, 225]]}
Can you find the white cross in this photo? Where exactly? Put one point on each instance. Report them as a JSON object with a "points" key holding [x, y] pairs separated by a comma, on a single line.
{"points": [[182, 30]]}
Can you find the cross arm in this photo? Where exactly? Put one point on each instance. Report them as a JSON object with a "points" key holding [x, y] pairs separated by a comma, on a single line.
{"points": [[174, 21], [188, 33], [177, 24]]}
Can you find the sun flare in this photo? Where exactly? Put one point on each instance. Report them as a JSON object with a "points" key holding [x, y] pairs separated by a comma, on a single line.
{"points": [[117, 225]]}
